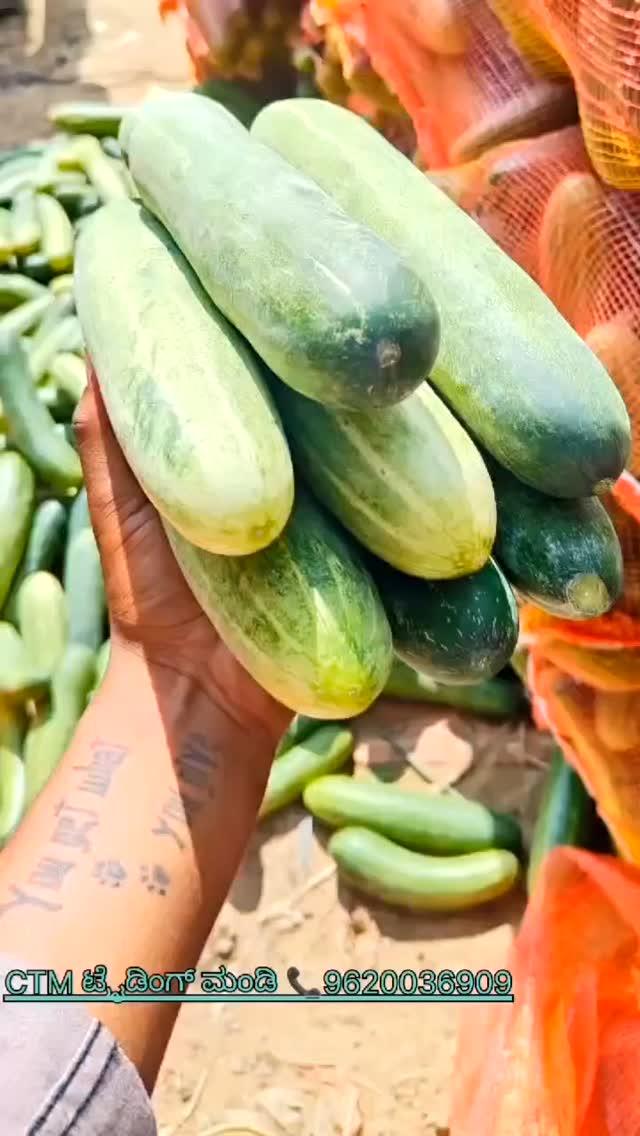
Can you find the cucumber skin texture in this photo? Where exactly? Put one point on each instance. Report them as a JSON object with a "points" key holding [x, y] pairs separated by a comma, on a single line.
{"points": [[297, 731], [302, 617], [406, 480], [454, 631], [184, 394], [43, 620], [48, 739], [332, 309], [509, 365], [496, 698], [31, 426], [328, 748], [440, 825], [566, 815], [547, 546], [384, 870], [85, 589], [12, 793], [17, 502]]}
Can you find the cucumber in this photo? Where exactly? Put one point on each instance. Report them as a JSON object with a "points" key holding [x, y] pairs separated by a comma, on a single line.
{"points": [[495, 698], [17, 289], [384, 870], [13, 181], [302, 616], [443, 825], [62, 283], [12, 793], [79, 517], [24, 318], [37, 267], [99, 119], [566, 815], [297, 731], [77, 200], [102, 662], [63, 306], [56, 240], [43, 549], [185, 395], [331, 308], [6, 237], [508, 361], [56, 401], [407, 481], [43, 620], [453, 631], [563, 556], [243, 105], [328, 748], [84, 585], [26, 230], [12, 725], [69, 373], [50, 735], [18, 677], [17, 502], [31, 427], [86, 154]]}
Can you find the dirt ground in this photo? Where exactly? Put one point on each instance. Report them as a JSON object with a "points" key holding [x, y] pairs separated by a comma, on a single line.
{"points": [[325, 1070]]}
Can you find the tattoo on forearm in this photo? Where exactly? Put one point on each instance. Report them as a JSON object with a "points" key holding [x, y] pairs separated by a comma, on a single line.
{"points": [[99, 771], [50, 873], [73, 826], [197, 765], [110, 873], [21, 898], [155, 878]]}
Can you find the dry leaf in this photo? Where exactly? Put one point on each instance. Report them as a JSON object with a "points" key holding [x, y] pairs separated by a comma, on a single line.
{"points": [[336, 1113], [285, 1107], [441, 755]]}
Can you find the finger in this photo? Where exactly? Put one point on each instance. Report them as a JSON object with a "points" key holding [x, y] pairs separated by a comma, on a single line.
{"points": [[108, 478]]}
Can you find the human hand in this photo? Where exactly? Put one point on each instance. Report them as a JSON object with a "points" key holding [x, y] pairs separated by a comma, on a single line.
{"points": [[152, 611]]}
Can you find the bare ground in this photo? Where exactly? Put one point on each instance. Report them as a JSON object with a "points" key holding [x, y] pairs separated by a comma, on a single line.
{"points": [[318, 1068]]}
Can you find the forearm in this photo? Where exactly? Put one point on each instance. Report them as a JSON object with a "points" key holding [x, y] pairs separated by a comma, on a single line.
{"points": [[127, 855]]}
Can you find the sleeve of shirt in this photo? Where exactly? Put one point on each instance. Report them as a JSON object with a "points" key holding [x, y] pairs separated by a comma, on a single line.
{"points": [[63, 1074]]}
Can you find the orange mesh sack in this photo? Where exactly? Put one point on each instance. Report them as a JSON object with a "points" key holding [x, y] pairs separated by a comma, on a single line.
{"points": [[457, 72], [562, 1060], [600, 42]]}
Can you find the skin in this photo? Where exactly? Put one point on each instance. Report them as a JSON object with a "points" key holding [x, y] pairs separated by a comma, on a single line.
{"points": [[127, 855]]}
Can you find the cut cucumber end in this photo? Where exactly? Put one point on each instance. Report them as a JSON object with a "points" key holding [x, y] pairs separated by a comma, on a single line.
{"points": [[589, 595]]}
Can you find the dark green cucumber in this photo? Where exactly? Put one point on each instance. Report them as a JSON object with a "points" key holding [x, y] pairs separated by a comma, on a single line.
{"points": [[243, 105], [297, 731], [302, 616], [17, 502], [563, 556], [453, 631], [84, 585], [566, 815], [386, 871], [495, 698], [50, 734], [37, 267], [31, 427], [332, 308], [328, 748], [43, 550], [99, 119], [520, 378], [443, 825]]}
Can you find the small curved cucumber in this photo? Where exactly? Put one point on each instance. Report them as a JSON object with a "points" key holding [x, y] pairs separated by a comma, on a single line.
{"points": [[566, 815], [12, 793], [495, 698], [56, 239], [31, 427], [50, 735], [84, 585], [63, 336], [380, 868], [443, 825], [324, 751], [79, 519], [43, 620], [297, 731], [43, 550], [18, 679], [17, 502], [69, 373], [26, 230], [564, 556], [17, 289], [99, 119], [23, 318], [454, 631], [85, 153]]}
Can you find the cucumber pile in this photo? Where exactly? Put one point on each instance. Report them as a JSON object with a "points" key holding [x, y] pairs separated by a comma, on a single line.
{"points": [[365, 430]]}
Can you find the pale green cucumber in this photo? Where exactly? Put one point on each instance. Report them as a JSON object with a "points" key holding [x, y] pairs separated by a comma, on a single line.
{"points": [[15, 288], [184, 394], [84, 586], [49, 737], [297, 731], [56, 239], [324, 751], [302, 616], [69, 373], [511, 368], [43, 549], [43, 620], [6, 237], [17, 502], [18, 677], [12, 793], [406, 480], [26, 230], [85, 153], [25, 317]]}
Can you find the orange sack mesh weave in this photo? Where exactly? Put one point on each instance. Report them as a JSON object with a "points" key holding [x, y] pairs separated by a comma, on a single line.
{"points": [[600, 42], [457, 72]]}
